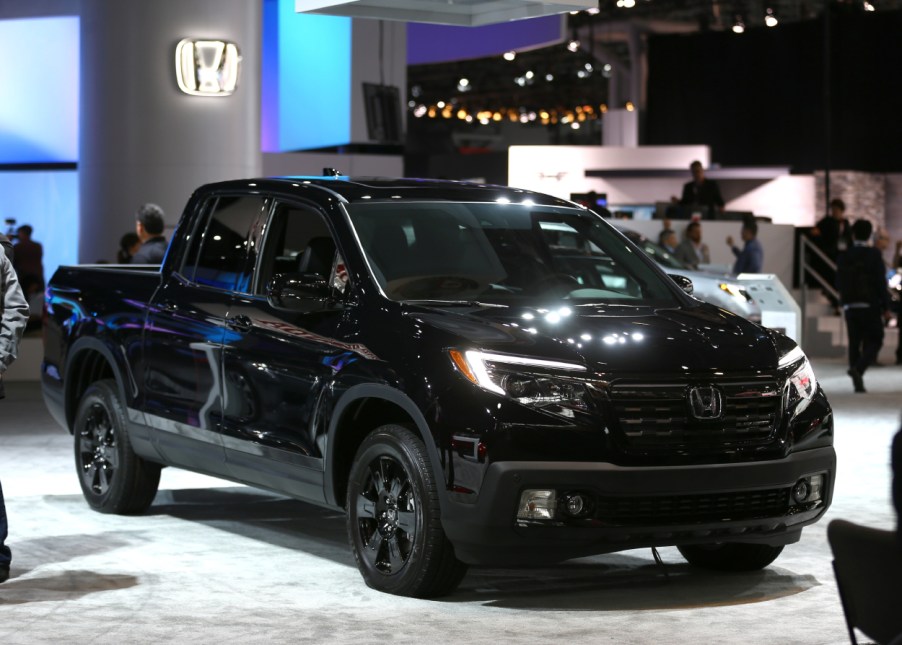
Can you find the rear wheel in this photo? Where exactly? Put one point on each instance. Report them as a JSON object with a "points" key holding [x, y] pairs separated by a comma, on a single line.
{"points": [[394, 519], [730, 556], [113, 478]]}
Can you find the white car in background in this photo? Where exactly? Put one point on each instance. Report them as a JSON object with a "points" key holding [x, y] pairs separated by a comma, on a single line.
{"points": [[716, 289]]}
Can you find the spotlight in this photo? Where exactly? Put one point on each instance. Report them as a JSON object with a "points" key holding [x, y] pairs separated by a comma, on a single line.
{"points": [[770, 19], [738, 25], [511, 55], [463, 85], [869, 7], [549, 77], [573, 45]]}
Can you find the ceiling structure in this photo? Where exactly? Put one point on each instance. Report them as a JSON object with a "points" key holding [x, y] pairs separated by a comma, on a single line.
{"points": [[467, 13], [565, 82]]}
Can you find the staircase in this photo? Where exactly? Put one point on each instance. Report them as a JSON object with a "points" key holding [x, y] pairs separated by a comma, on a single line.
{"points": [[824, 331]]}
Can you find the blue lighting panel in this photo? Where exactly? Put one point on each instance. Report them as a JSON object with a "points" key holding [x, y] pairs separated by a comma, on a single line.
{"points": [[48, 200], [313, 77], [40, 80], [428, 43]]}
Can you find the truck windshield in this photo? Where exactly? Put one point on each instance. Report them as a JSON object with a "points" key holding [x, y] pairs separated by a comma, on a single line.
{"points": [[502, 253]]}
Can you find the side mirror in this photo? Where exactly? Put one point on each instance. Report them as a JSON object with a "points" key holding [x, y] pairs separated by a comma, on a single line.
{"points": [[299, 291], [683, 282]]}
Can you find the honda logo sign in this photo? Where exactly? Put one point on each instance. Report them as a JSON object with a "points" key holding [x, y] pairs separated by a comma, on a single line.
{"points": [[705, 402], [207, 67]]}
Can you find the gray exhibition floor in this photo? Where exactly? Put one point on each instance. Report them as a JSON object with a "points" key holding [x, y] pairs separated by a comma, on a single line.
{"points": [[213, 562]]}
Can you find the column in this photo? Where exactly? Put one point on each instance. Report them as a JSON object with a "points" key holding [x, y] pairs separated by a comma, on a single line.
{"points": [[141, 139]]}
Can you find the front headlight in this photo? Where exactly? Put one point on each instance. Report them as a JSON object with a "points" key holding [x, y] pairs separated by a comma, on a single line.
{"points": [[530, 381], [801, 383]]}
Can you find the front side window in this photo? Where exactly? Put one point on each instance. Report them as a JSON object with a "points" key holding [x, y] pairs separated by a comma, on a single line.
{"points": [[502, 253], [298, 240]]}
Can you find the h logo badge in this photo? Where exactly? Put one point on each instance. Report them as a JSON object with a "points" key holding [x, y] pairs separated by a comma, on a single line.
{"points": [[206, 67], [705, 402]]}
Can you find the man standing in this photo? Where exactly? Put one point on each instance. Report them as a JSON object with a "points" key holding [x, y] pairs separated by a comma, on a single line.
{"points": [[149, 227], [701, 193], [692, 251], [13, 317], [861, 281], [29, 256], [751, 258]]}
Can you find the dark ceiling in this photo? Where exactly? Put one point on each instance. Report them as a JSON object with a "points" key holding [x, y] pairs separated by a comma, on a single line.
{"points": [[561, 81]]}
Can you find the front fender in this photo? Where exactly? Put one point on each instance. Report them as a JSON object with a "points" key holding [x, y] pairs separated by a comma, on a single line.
{"points": [[395, 397]]}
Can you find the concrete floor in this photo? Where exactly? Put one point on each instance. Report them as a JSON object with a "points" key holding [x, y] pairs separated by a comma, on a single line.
{"points": [[216, 562]]}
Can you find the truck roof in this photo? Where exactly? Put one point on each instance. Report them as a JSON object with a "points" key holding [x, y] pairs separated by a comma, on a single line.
{"points": [[353, 189]]}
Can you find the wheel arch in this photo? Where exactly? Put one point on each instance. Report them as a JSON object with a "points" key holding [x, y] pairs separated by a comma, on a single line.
{"points": [[90, 360], [359, 411]]}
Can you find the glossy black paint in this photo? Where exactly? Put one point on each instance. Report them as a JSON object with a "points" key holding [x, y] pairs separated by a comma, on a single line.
{"points": [[279, 394]]}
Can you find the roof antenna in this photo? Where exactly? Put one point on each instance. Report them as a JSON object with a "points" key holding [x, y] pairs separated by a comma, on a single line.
{"points": [[331, 172]]}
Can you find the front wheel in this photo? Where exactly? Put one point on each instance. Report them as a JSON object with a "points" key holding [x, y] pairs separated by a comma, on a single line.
{"points": [[113, 478], [394, 519], [731, 556]]}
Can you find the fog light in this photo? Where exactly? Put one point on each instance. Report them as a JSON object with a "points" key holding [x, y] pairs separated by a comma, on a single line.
{"points": [[575, 504], [537, 505], [808, 489], [800, 491]]}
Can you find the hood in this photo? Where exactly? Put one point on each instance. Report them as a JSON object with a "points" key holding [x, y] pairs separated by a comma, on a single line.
{"points": [[606, 338]]}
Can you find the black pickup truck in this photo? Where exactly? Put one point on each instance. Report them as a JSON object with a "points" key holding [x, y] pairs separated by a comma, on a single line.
{"points": [[477, 375]]}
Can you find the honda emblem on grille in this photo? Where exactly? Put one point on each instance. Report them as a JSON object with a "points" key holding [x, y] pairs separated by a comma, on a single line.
{"points": [[705, 402]]}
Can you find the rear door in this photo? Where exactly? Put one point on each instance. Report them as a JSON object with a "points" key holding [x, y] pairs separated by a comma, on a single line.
{"points": [[186, 329]]}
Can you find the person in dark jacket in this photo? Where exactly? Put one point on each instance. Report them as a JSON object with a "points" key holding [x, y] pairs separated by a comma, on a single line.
{"points": [[13, 317], [750, 258], [149, 227], [701, 193], [861, 281]]}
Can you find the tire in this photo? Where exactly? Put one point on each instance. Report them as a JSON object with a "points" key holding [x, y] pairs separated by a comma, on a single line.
{"points": [[394, 520], [731, 556], [113, 478]]}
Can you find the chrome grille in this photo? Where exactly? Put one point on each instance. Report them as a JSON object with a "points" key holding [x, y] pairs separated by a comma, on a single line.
{"points": [[653, 415]]}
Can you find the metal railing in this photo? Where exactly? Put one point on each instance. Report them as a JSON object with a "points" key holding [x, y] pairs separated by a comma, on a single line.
{"points": [[806, 269]]}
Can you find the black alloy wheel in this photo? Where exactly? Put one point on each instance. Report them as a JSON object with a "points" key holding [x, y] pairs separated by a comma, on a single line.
{"points": [[113, 478], [394, 518]]}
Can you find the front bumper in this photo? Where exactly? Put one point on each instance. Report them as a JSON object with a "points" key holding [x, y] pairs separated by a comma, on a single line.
{"points": [[488, 532]]}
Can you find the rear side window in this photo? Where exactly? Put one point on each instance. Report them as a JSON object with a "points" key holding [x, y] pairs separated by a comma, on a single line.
{"points": [[218, 255]]}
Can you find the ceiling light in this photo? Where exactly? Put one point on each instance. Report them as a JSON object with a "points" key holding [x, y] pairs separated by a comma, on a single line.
{"points": [[770, 19], [463, 85], [738, 25], [511, 55], [573, 45], [626, 4], [549, 77], [869, 7]]}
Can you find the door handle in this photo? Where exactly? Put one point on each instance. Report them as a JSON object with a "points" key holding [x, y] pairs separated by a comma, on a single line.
{"points": [[240, 323]]}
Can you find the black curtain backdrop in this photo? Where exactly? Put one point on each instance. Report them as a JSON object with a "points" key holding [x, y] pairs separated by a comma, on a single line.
{"points": [[758, 98]]}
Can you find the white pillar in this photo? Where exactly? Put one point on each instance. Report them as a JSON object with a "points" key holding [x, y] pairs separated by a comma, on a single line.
{"points": [[141, 139]]}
